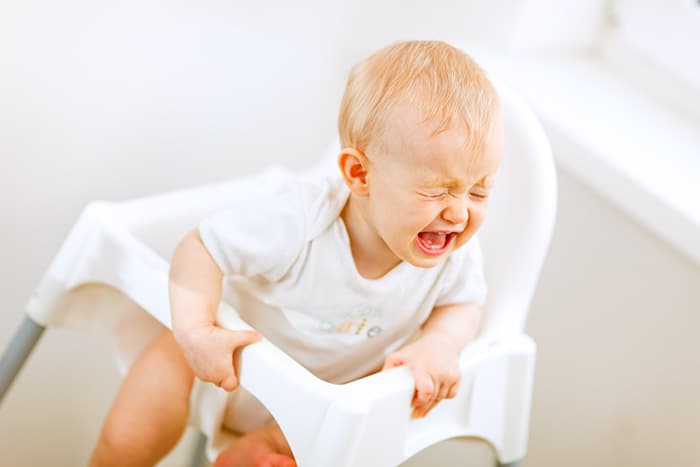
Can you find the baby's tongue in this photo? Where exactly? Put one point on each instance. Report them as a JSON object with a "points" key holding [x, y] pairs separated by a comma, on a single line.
{"points": [[433, 239]]}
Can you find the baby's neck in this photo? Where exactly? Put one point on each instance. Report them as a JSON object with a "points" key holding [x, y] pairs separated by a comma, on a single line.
{"points": [[372, 257]]}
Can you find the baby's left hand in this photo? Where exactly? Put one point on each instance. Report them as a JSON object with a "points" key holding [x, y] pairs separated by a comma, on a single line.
{"points": [[434, 361]]}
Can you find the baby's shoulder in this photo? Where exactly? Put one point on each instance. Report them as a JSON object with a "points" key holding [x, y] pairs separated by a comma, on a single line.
{"points": [[314, 200], [323, 198]]}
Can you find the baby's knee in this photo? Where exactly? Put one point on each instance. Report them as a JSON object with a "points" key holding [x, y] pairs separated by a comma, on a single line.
{"points": [[117, 438], [160, 381], [164, 343], [167, 353]]}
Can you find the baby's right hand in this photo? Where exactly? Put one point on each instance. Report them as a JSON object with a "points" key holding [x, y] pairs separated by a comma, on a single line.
{"points": [[210, 349]]}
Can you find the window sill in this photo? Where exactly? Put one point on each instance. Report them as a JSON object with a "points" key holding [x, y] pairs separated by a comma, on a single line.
{"points": [[631, 148]]}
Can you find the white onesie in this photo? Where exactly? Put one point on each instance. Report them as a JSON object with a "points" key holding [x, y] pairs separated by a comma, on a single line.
{"points": [[289, 272]]}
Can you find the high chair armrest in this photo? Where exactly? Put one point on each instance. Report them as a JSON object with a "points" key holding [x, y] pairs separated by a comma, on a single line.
{"points": [[370, 422], [100, 250], [106, 249], [291, 393]]}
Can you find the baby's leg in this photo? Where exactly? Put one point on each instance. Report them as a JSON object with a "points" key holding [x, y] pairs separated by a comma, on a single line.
{"points": [[266, 447], [149, 413]]}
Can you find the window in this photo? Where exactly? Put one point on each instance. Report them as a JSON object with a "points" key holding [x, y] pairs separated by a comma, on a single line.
{"points": [[658, 40], [668, 30]]}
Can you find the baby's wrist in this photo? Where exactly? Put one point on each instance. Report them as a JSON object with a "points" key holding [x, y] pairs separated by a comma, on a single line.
{"points": [[443, 340], [189, 335]]}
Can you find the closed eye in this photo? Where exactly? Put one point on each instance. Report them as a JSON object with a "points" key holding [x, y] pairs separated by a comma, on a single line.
{"points": [[436, 195]]}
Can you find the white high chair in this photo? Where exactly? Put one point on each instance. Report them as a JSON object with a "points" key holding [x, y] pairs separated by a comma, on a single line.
{"points": [[111, 273]]}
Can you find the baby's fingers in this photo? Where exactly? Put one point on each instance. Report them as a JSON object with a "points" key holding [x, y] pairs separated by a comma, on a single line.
{"points": [[242, 338], [392, 361], [239, 339], [443, 391], [425, 392], [438, 395], [452, 392], [230, 382]]}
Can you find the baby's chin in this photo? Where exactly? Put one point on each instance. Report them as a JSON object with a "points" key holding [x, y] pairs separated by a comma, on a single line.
{"points": [[420, 260]]}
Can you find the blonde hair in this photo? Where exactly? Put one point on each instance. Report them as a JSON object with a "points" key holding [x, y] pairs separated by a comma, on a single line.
{"points": [[441, 80]]}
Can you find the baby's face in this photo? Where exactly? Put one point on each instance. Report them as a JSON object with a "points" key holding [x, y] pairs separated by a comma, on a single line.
{"points": [[428, 194]]}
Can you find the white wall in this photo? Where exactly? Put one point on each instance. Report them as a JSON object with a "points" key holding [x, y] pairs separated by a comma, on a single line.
{"points": [[125, 99], [616, 319]]}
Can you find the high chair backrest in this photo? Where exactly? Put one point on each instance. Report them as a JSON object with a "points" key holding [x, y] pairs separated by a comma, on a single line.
{"points": [[520, 219]]}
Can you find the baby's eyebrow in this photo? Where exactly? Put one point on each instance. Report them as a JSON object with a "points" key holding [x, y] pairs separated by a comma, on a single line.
{"points": [[441, 183], [434, 180], [484, 182]]}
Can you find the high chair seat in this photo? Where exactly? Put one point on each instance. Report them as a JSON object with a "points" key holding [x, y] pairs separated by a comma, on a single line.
{"points": [[111, 274]]}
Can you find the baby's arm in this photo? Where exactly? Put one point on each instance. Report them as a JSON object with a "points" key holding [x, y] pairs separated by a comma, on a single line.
{"points": [[195, 293], [434, 357]]}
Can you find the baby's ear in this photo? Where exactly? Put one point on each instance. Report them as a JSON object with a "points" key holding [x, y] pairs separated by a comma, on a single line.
{"points": [[353, 166]]}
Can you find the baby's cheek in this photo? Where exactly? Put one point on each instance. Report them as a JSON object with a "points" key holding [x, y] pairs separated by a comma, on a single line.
{"points": [[473, 225], [476, 218]]}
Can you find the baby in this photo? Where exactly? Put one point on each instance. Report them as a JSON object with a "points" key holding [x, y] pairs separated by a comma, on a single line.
{"points": [[373, 268]]}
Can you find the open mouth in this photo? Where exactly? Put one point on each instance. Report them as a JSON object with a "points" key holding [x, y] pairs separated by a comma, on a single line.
{"points": [[435, 243]]}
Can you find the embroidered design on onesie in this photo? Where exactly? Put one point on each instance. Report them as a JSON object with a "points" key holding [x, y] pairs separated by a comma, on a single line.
{"points": [[365, 320]]}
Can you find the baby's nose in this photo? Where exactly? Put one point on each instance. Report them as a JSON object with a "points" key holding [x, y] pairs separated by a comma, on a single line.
{"points": [[457, 212]]}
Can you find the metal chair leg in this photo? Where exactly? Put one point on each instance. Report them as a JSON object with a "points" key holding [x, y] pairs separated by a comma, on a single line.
{"points": [[199, 457], [17, 352]]}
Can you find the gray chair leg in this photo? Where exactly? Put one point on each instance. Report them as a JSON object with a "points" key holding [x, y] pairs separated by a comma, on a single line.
{"points": [[199, 456], [17, 352]]}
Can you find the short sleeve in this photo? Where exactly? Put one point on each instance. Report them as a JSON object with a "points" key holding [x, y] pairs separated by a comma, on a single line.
{"points": [[465, 279], [261, 231]]}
